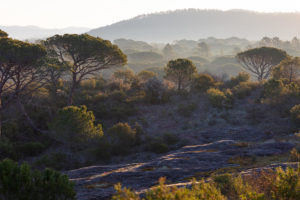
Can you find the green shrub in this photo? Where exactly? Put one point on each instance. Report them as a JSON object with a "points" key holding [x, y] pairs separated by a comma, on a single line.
{"points": [[7, 149], [243, 89], [186, 110], [202, 82], [21, 183], [122, 137], [170, 138], [199, 191], [31, 148], [157, 146], [240, 78], [56, 161], [76, 125], [295, 114], [220, 99], [287, 184], [294, 155]]}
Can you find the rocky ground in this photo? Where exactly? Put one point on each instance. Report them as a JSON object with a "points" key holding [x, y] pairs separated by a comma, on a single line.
{"points": [[96, 182]]}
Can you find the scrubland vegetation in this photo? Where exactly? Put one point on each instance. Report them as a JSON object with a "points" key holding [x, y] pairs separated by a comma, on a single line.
{"points": [[75, 100]]}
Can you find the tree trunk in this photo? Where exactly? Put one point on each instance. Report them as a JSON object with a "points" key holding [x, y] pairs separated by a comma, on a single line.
{"points": [[72, 89]]}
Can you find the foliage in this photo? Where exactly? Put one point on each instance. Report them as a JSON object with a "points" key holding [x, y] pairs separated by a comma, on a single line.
{"points": [[260, 61], [155, 91], [145, 75], [76, 124], [202, 82], [85, 56], [295, 114], [199, 191], [31, 148], [56, 161], [294, 155], [240, 78], [3, 34], [20, 182], [121, 137], [156, 145], [288, 69], [124, 75], [180, 71], [243, 89], [186, 110], [220, 99]]}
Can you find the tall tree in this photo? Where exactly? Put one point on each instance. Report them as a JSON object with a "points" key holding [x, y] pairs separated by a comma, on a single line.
{"points": [[180, 71], [86, 55], [288, 69], [21, 70], [260, 61]]}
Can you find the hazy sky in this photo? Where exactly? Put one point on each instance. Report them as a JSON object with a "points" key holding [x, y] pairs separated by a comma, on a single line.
{"points": [[96, 13]]}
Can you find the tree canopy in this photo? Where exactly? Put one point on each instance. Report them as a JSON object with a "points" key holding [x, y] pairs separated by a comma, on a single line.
{"points": [[3, 34], [288, 69], [181, 71], [86, 55], [260, 61]]}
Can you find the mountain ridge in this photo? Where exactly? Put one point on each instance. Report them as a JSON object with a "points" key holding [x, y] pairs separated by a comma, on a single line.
{"points": [[195, 23]]}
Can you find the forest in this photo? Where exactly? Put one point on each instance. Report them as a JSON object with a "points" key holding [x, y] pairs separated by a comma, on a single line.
{"points": [[82, 117]]}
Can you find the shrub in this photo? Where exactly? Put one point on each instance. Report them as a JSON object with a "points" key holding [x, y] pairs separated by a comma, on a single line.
{"points": [[199, 191], [121, 137], [240, 78], [186, 110], [287, 184], [170, 138], [295, 114], [31, 148], [7, 149], [220, 99], [202, 82], [56, 161], [243, 89], [294, 155], [76, 124], [20, 182], [157, 146], [155, 91]]}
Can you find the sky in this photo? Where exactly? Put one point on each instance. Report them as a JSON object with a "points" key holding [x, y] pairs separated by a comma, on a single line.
{"points": [[97, 13]]}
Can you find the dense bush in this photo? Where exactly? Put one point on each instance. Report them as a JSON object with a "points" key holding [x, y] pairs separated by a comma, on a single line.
{"points": [[220, 99], [30, 148], [56, 161], [295, 114], [76, 124], [243, 89], [22, 183], [200, 191], [155, 91], [186, 110], [202, 82], [121, 137], [279, 185]]}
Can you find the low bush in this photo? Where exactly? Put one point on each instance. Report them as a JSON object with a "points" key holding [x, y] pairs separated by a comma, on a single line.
{"points": [[220, 99], [202, 82], [295, 114], [22, 183], [76, 125], [30, 148], [157, 146], [243, 89], [186, 110], [121, 136], [56, 161]]}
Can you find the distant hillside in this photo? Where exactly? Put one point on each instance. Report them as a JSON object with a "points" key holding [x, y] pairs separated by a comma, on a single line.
{"points": [[195, 24], [34, 32]]}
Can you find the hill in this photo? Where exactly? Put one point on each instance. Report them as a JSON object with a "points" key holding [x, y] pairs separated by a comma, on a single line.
{"points": [[34, 32], [195, 24]]}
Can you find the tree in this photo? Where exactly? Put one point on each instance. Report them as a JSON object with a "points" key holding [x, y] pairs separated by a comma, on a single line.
{"points": [[181, 71], [3, 34], [86, 56], [125, 75], [203, 49], [203, 82], [260, 61], [21, 182], [288, 69], [76, 124], [145, 75], [21, 70], [168, 51]]}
